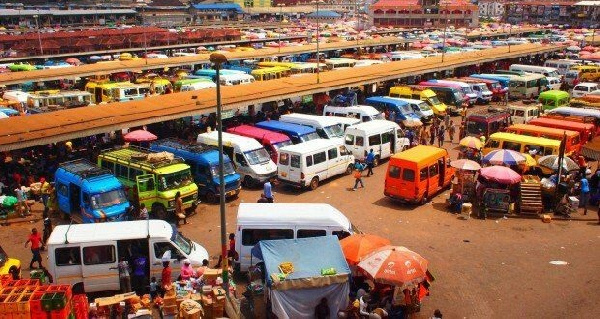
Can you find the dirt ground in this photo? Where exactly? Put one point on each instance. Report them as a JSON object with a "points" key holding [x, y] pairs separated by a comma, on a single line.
{"points": [[494, 268]]}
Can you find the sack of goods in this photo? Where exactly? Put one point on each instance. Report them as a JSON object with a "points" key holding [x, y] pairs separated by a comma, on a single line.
{"points": [[160, 157]]}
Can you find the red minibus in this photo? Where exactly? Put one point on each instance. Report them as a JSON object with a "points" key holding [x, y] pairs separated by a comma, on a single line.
{"points": [[272, 141]]}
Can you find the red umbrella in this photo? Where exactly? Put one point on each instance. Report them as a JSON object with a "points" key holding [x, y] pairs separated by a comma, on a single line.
{"points": [[139, 136], [358, 245], [500, 174], [395, 265]]}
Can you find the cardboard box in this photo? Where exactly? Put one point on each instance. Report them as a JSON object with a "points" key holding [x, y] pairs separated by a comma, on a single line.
{"points": [[170, 301], [212, 274], [169, 310], [218, 292]]}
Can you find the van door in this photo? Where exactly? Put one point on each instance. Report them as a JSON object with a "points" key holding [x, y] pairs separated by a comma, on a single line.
{"points": [[158, 249], [335, 162], [146, 189], [434, 177], [385, 147], [62, 196], [100, 261]]}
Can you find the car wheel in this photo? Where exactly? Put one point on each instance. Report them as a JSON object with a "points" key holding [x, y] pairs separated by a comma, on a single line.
{"points": [[248, 181], [314, 183], [349, 169], [211, 197], [423, 200]]}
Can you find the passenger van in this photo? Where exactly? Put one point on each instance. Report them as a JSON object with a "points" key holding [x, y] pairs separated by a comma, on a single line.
{"points": [[435, 173], [553, 99], [573, 144], [451, 97], [297, 133], [484, 95], [485, 123], [464, 88], [420, 108], [193, 84], [384, 137], [586, 130], [527, 86], [562, 66], [309, 163], [89, 254], [545, 71], [204, 163], [250, 159], [535, 146], [404, 113], [364, 113], [420, 93], [503, 79], [89, 194], [326, 126], [493, 86], [256, 222], [588, 73], [522, 114], [151, 178], [271, 141], [116, 91]]}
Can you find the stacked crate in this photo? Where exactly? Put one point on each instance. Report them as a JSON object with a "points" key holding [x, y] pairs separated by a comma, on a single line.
{"points": [[15, 296], [26, 299]]}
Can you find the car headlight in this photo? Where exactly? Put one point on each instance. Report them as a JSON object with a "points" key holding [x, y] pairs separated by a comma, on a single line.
{"points": [[171, 203]]}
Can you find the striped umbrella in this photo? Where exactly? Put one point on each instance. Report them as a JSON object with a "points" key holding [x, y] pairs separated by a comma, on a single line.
{"points": [[551, 161], [472, 142], [395, 265], [465, 164], [504, 157]]}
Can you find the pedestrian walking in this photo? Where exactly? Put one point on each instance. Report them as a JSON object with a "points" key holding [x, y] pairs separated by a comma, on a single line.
{"points": [[370, 159], [432, 131], [45, 191], [22, 207], [47, 229], [268, 190], [447, 119], [36, 243], [584, 198], [440, 135], [424, 135], [358, 168], [451, 131], [124, 278], [179, 210], [461, 131]]}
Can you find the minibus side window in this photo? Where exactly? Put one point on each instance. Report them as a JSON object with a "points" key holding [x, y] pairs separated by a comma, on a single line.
{"points": [[433, 170], [309, 160], [306, 233], [360, 141], [408, 175], [548, 151], [319, 157], [284, 159], [251, 237], [68, 256], [97, 255], [423, 174], [349, 139], [535, 149], [332, 153], [493, 144], [295, 161], [511, 146], [341, 234], [161, 247], [394, 172], [108, 165], [387, 137], [63, 190]]}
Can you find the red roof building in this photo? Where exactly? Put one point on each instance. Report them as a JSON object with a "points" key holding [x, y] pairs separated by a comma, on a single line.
{"points": [[424, 13]]}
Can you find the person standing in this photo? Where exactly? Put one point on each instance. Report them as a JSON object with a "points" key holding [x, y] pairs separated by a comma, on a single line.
{"points": [[36, 243], [585, 193], [186, 270], [124, 278], [165, 279], [45, 191], [370, 159], [143, 215], [22, 206], [322, 310], [358, 168], [447, 119], [451, 131], [47, 229], [424, 136], [440, 135], [461, 131], [268, 190], [139, 274], [432, 131], [179, 211]]}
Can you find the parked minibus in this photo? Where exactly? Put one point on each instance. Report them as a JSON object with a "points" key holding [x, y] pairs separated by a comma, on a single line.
{"points": [[554, 98], [340, 63], [345, 121], [535, 146], [545, 71], [572, 77], [89, 254], [572, 145], [435, 173], [116, 91], [204, 163], [297, 133], [53, 98], [270, 73], [527, 86], [271, 141], [309, 163], [451, 97], [193, 84], [486, 122], [464, 88], [249, 157], [226, 77], [586, 130], [405, 115], [522, 114], [420, 93], [364, 113], [384, 137], [562, 65], [484, 95], [89, 194], [326, 126], [503, 79], [577, 111], [256, 222], [493, 86], [588, 73], [151, 178]]}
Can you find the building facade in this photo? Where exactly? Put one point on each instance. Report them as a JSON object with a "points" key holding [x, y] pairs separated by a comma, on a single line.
{"points": [[576, 14], [424, 13], [491, 8]]}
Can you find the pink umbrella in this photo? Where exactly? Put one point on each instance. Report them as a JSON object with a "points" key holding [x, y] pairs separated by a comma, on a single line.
{"points": [[139, 136], [500, 174]]}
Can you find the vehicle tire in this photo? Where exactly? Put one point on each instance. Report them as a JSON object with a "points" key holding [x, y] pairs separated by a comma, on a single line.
{"points": [[211, 197], [423, 200], [376, 161], [159, 212], [349, 169], [314, 183]]}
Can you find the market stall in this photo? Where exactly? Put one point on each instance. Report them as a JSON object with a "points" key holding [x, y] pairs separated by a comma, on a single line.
{"points": [[298, 276], [497, 189], [464, 180]]}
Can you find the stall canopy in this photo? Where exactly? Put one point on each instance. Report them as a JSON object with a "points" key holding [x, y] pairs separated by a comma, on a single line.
{"points": [[298, 294]]}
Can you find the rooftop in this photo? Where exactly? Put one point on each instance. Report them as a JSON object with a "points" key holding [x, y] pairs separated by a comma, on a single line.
{"points": [[324, 14]]}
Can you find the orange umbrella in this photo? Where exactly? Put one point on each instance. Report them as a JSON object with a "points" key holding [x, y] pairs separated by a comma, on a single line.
{"points": [[359, 245], [395, 265]]}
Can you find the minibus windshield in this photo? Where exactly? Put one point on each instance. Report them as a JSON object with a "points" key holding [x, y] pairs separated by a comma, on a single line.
{"points": [[279, 145], [257, 156], [433, 100], [309, 137], [227, 169], [476, 127], [334, 130], [173, 180], [181, 241], [108, 199]]}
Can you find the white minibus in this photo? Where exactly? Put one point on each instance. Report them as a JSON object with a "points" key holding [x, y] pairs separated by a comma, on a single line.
{"points": [[464, 87], [249, 157], [88, 254], [419, 107], [256, 222], [546, 71], [383, 136], [325, 126], [236, 79], [563, 65], [522, 114], [364, 113], [309, 163]]}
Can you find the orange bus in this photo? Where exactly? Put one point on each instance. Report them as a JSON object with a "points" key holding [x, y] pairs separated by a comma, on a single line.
{"points": [[586, 130], [573, 144], [416, 174]]}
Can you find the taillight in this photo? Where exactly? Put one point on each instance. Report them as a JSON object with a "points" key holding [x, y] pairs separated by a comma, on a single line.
{"points": [[301, 175]]}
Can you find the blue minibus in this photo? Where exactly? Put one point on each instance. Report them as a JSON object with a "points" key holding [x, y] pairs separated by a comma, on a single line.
{"points": [[296, 132], [503, 79], [404, 113]]}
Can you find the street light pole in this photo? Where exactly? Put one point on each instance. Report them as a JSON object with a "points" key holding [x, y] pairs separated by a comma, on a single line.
{"points": [[37, 26], [217, 59], [318, 53], [509, 35], [280, 5], [445, 31]]}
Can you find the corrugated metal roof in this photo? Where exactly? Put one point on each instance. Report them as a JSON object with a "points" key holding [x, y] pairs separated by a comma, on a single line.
{"points": [[25, 131], [218, 6], [13, 12]]}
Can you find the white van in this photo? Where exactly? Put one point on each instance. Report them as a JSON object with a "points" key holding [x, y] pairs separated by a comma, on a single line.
{"points": [[197, 86], [563, 65], [308, 163], [250, 158], [256, 222], [384, 137], [89, 253], [484, 95], [522, 114], [545, 71], [419, 107], [464, 87], [326, 126], [236, 79], [553, 83], [364, 113]]}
